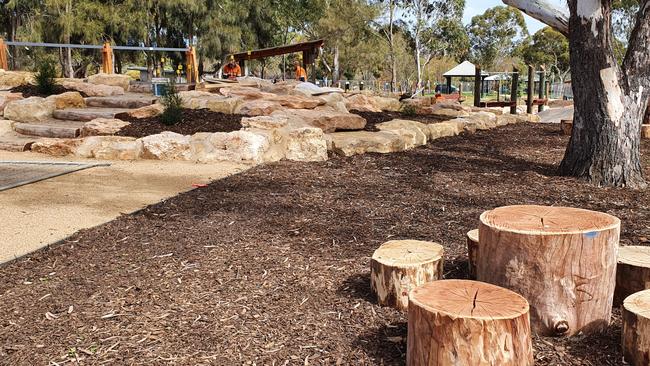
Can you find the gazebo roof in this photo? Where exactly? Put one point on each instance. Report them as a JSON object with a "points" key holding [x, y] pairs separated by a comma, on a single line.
{"points": [[464, 69]]}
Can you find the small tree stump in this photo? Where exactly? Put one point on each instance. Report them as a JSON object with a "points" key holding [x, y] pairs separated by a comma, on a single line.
{"points": [[567, 126], [562, 260], [645, 131], [636, 329], [460, 322], [472, 252], [399, 266], [632, 272]]}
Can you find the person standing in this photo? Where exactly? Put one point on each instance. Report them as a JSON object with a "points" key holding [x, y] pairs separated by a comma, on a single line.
{"points": [[301, 74], [231, 70]]}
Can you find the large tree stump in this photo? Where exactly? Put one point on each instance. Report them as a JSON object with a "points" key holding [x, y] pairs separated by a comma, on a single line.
{"points": [[460, 322], [562, 260], [567, 126], [472, 252], [632, 272], [636, 329], [399, 266]]}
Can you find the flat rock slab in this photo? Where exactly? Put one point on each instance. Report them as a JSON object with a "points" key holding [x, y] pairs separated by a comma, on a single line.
{"points": [[87, 114], [128, 101], [359, 142], [51, 128]]}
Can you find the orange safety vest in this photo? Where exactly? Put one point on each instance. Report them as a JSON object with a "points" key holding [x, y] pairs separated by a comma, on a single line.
{"points": [[232, 71], [301, 73]]}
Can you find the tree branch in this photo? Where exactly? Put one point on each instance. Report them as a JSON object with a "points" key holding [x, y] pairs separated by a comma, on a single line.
{"points": [[636, 65], [556, 18]]}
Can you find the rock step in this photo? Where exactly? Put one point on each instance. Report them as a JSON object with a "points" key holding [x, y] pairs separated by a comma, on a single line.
{"points": [[16, 144], [87, 114], [55, 128], [121, 101]]}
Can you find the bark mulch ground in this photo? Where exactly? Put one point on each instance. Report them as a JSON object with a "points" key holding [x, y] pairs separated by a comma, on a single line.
{"points": [[271, 266], [32, 91], [375, 118], [194, 120]]}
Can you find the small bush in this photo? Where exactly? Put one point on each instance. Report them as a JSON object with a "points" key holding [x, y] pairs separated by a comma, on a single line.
{"points": [[409, 110], [173, 103], [45, 77]]}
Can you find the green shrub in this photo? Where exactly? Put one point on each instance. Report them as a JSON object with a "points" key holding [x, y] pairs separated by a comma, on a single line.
{"points": [[409, 110], [45, 77], [173, 103]]}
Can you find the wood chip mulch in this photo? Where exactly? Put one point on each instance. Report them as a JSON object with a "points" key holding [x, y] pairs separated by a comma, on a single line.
{"points": [[32, 91], [271, 266], [194, 120]]}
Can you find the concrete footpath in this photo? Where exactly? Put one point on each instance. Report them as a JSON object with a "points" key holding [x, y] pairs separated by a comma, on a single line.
{"points": [[36, 215]]}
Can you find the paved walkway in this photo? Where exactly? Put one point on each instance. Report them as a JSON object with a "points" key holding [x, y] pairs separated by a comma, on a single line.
{"points": [[554, 115], [42, 213]]}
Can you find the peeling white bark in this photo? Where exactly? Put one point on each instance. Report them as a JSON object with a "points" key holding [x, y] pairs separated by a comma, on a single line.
{"points": [[549, 14], [612, 87]]}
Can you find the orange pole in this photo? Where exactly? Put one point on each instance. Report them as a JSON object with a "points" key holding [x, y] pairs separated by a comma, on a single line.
{"points": [[192, 70], [3, 55], [107, 58]]}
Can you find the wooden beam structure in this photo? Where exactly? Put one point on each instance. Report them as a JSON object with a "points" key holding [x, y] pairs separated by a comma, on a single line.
{"points": [[309, 50], [107, 58], [192, 69], [4, 63], [514, 88], [531, 82], [478, 84]]}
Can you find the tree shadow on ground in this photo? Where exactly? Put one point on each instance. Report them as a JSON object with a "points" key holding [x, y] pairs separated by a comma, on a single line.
{"points": [[386, 344], [357, 286]]}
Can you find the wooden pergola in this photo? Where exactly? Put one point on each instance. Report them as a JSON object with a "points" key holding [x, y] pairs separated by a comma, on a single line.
{"points": [[309, 51]]}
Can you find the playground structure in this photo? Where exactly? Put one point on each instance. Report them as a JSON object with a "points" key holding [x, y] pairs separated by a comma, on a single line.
{"points": [[310, 51], [107, 52]]}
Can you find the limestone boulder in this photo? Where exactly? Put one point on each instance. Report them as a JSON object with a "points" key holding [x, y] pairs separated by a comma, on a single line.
{"points": [[306, 144], [56, 147], [166, 146], [483, 120], [296, 101], [328, 121], [67, 100], [247, 93], [446, 129], [148, 111], [103, 127], [264, 122], [418, 102], [443, 113], [360, 142], [335, 102], [237, 146], [118, 80], [228, 105], [92, 90], [280, 88], [6, 97], [388, 104], [32, 109], [259, 108], [413, 133], [111, 148], [12, 79], [362, 103]]}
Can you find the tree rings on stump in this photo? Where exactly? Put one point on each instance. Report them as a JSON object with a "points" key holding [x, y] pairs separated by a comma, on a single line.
{"points": [[562, 260], [567, 126], [461, 322], [399, 266], [472, 252], [632, 272], [636, 329]]}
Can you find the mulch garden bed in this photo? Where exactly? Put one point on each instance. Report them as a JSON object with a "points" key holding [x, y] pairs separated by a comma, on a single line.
{"points": [[271, 266], [375, 118], [194, 120], [32, 91]]}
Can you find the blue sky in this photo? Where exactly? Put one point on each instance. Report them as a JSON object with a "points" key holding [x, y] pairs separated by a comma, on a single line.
{"points": [[476, 7]]}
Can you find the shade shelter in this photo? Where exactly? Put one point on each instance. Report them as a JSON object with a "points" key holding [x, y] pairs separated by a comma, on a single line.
{"points": [[462, 70], [310, 51]]}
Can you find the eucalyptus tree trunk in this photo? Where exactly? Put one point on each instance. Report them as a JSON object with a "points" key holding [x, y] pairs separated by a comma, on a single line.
{"points": [[336, 74], [609, 100], [391, 44]]}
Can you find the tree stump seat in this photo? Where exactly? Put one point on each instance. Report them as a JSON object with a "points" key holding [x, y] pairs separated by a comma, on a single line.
{"points": [[636, 329], [472, 250], [562, 260], [632, 272], [567, 126], [399, 266], [461, 322]]}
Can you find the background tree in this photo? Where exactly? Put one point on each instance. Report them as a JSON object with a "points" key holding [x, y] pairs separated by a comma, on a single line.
{"points": [[609, 99], [551, 48], [495, 34]]}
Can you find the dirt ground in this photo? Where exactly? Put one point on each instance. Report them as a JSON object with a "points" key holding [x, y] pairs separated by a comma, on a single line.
{"points": [[271, 266], [194, 120]]}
